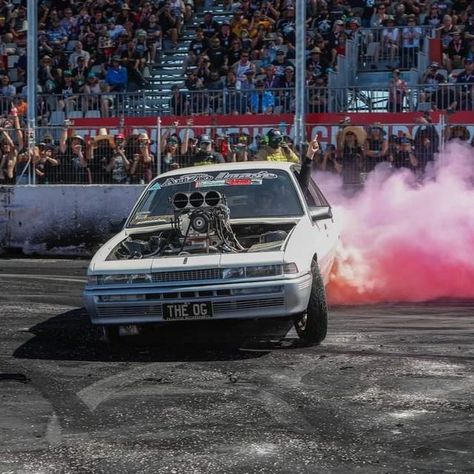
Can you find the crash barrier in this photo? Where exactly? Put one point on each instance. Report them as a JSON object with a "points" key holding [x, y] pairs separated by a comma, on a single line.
{"points": [[388, 47], [61, 219], [402, 98]]}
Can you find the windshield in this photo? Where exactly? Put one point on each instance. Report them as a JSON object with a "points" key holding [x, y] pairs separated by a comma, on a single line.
{"points": [[249, 194]]}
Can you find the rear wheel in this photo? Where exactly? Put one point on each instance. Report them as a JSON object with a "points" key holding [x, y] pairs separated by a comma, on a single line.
{"points": [[312, 325]]}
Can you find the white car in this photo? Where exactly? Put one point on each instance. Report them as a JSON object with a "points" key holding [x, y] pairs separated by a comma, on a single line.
{"points": [[226, 241]]}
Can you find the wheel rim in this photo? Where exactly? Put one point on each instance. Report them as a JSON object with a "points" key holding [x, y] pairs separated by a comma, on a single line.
{"points": [[301, 323]]}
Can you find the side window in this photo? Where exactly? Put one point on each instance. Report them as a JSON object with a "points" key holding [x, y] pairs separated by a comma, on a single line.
{"points": [[307, 193], [309, 198], [315, 197]]}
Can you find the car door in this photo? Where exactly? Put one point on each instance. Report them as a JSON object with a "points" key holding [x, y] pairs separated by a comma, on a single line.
{"points": [[324, 227]]}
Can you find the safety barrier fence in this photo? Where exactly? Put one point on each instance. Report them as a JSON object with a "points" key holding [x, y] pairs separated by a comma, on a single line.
{"points": [[126, 155], [392, 46]]}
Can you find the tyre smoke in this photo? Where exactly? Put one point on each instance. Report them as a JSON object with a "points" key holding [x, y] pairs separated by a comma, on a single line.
{"points": [[406, 240]]}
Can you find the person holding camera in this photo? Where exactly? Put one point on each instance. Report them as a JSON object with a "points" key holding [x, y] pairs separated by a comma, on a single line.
{"points": [[205, 155], [9, 163], [239, 151], [277, 149], [73, 158], [142, 161], [118, 165], [404, 156], [46, 165]]}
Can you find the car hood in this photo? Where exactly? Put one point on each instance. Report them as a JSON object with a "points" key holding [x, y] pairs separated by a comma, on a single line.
{"points": [[191, 262]]}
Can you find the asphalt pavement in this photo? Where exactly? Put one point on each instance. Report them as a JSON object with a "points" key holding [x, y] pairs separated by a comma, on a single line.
{"points": [[389, 391]]}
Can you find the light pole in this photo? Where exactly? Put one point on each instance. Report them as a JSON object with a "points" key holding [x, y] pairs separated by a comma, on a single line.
{"points": [[32, 74], [300, 71]]}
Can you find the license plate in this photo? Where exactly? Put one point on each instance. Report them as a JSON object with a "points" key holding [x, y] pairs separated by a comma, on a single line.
{"points": [[180, 311]]}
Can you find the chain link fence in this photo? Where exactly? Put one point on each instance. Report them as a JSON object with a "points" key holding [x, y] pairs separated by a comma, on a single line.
{"points": [[126, 155]]}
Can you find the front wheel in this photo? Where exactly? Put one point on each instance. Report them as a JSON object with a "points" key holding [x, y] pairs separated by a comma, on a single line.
{"points": [[312, 325], [111, 335]]}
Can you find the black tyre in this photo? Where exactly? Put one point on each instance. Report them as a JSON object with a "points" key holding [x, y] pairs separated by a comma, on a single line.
{"points": [[312, 325], [111, 335]]}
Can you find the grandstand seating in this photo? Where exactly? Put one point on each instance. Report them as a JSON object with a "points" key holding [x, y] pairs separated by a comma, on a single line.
{"points": [[349, 60]]}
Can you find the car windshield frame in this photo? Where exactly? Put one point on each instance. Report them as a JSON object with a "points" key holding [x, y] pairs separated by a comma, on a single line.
{"points": [[232, 183]]}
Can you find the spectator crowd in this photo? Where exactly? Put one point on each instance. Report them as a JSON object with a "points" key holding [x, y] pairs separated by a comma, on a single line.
{"points": [[133, 158], [91, 52]]}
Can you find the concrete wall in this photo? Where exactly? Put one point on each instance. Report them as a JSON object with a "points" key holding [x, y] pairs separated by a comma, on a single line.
{"points": [[61, 220]]}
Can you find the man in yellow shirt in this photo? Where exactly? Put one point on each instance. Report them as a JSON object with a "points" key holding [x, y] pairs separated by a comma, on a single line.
{"points": [[277, 149]]}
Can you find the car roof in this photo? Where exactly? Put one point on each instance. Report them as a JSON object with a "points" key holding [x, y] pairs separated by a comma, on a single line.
{"points": [[241, 166]]}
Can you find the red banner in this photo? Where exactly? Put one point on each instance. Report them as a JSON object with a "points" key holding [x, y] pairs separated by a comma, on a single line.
{"points": [[325, 126], [265, 120]]}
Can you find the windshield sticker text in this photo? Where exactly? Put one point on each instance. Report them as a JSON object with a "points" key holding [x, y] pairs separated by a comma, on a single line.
{"points": [[228, 182], [187, 178], [221, 179]]}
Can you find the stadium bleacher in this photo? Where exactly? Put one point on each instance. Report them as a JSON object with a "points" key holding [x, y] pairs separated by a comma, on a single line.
{"points": [[100, 59]]}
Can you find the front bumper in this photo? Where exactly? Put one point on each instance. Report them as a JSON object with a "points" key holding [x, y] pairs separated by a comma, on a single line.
{"points": [[144, 304]]}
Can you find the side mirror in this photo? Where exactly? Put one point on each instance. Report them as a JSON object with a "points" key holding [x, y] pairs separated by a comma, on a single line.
{"points": [[116, 226], [320, 213]]}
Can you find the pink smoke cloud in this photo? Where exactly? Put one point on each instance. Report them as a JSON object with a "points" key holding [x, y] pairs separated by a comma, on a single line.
{"points": [[403, 240]]}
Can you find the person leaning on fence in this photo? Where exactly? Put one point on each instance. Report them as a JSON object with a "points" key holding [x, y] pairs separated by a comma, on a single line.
{"points": [[277, 149]]}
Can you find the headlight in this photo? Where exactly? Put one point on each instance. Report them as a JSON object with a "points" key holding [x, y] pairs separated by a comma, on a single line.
{"points": [[263, 271], [124, 279], [290, 268], [237, 272], [92, 280]]}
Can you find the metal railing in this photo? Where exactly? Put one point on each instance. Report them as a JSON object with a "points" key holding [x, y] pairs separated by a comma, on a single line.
{"points": [[383, 48], [53, 109], [419, 97]]}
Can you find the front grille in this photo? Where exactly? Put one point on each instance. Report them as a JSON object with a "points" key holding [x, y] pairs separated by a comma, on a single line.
{"points": [[244, 305], [155, 310], [187, 275], [124, 311]]}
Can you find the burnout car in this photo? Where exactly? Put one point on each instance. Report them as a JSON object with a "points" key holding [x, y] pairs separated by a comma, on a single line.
{"points": [[226, 241]]}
